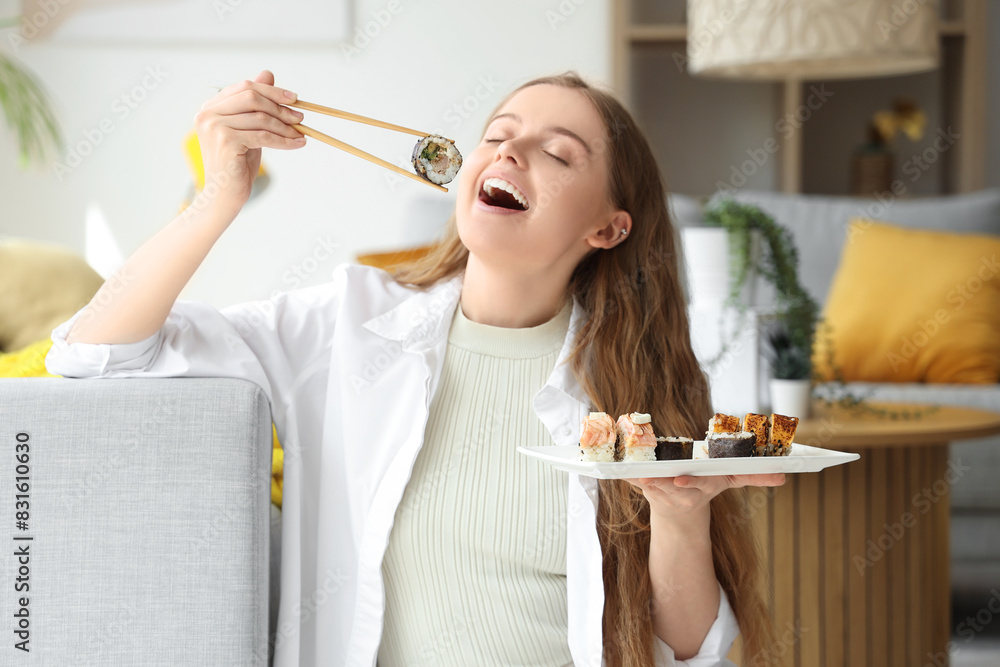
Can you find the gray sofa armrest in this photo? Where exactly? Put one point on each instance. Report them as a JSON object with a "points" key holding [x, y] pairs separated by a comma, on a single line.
{"points": [[149, 518]]}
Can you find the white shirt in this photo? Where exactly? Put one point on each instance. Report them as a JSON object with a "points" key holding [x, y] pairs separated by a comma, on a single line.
{"points": [[350, 368]]}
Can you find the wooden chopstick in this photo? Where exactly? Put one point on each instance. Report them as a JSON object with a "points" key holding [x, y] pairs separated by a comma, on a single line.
{"points": [[337, 143], [346, 115]]}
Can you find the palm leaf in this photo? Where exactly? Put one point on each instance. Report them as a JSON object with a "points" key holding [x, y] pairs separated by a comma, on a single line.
{"points": [[26, 107]]}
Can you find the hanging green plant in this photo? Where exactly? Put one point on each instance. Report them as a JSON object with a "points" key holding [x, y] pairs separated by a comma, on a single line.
{"points": [[795, 325], [777, 263]]}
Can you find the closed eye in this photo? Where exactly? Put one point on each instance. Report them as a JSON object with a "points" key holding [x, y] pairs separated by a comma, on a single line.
{"points": [[551, 155], [557, 158]]}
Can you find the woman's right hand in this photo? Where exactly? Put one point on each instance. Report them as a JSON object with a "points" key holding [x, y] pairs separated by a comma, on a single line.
{"points": [[232, 128]]}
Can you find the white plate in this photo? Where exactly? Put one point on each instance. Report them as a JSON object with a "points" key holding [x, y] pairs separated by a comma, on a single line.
{"points": [[802, 458]]}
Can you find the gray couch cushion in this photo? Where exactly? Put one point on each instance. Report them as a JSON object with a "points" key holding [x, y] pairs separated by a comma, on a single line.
{"points": [[818, 223], [149, 508]]}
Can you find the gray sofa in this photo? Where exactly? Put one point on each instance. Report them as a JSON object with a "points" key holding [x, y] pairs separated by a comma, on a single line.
{"points": [[150, 517], [818, 225]]}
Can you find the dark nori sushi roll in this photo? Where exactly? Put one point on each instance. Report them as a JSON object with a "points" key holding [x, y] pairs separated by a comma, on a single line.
{"points": [[436, 159], [726, 445], [673, 449]]}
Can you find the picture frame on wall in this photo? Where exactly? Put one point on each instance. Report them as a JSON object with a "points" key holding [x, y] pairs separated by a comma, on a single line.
{"points": [[190, 22]]}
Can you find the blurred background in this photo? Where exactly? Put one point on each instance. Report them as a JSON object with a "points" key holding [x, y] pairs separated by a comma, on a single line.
{"points": [[436, 67], [124, 80]]}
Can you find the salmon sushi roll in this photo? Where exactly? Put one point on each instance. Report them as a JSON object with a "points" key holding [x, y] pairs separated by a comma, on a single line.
{"points": [[636, 440], [597, 438]]}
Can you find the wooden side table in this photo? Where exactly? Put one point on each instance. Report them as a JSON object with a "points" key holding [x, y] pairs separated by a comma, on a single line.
{"points": [[858, 554]]}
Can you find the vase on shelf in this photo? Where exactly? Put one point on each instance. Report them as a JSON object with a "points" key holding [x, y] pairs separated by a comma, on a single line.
{"points": [[871, 172]]}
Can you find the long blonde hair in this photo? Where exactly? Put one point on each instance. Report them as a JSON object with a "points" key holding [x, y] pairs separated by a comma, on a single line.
{"points": [[633, 352]]}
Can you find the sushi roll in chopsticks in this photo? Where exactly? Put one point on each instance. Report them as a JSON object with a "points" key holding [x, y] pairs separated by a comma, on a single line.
{"points": [[636, 440], [597, 439], [436, 159]]}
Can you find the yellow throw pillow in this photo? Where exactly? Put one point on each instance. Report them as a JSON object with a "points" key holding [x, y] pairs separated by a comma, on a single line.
{"points": [[913, 306], [28, 362], [41, 285]]}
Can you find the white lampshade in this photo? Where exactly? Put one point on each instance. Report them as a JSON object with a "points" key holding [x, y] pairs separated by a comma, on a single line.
{"points": [[811, 39]]}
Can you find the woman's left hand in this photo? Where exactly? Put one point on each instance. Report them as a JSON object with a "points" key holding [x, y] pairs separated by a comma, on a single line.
{"points": [[673, 497]]}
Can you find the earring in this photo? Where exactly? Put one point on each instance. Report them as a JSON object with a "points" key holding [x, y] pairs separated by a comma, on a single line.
{"points": [[624, 232]]}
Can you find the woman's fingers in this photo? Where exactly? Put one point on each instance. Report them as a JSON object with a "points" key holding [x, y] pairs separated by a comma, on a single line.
{"points": [[710, 483], [260, 121], [252, 120], [233, 141], [264, 139], [273, 93], [775, 479], [244, 132], [251, 101]]}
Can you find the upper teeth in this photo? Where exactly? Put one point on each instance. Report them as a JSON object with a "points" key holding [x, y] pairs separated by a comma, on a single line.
{"points": [[499, 184]]}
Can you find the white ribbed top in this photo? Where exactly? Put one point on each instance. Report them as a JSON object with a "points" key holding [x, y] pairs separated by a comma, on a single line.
{"points": [[475, 570]]}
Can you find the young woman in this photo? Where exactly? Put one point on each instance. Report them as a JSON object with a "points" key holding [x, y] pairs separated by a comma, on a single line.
{"points": [[412, 530]]}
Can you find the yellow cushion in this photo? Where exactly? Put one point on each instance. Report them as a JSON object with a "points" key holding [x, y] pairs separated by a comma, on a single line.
{"points": [[27, 362], [277, 468], [41, 285], [913, 306]]}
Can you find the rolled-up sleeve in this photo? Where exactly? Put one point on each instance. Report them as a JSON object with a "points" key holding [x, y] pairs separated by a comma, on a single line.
{"points": [[269, 342], [714, 648]]}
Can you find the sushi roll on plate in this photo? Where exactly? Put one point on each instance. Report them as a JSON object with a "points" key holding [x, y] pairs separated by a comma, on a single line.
{"points": [[636, 440], [436, 159], [781, 433], [723, 423], [726, 445], [761, 428], [597, 438], [674, 448]]}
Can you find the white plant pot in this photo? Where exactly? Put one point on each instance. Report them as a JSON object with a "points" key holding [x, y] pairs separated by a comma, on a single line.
{"points": [[706, 255], [791, 397]]}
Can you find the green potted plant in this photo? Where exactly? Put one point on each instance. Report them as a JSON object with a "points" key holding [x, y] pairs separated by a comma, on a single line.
{"points": [[26, 108], [789, 339]]}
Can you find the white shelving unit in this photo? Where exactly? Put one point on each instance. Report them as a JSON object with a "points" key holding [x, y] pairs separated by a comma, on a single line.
{"points": [[698, 124]]}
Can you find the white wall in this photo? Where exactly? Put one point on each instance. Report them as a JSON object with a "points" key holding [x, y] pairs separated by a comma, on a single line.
{"points": [[429, 58]]}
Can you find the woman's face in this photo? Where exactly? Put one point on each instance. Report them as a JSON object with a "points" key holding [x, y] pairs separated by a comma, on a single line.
{"points": [[534, 192]]}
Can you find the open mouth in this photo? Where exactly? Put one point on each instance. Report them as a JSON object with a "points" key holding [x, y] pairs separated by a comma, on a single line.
{"points": [[498, 192]]}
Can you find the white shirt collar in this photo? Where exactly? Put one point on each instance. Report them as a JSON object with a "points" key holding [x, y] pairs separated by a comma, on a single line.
{"points": [[422, 321]]}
